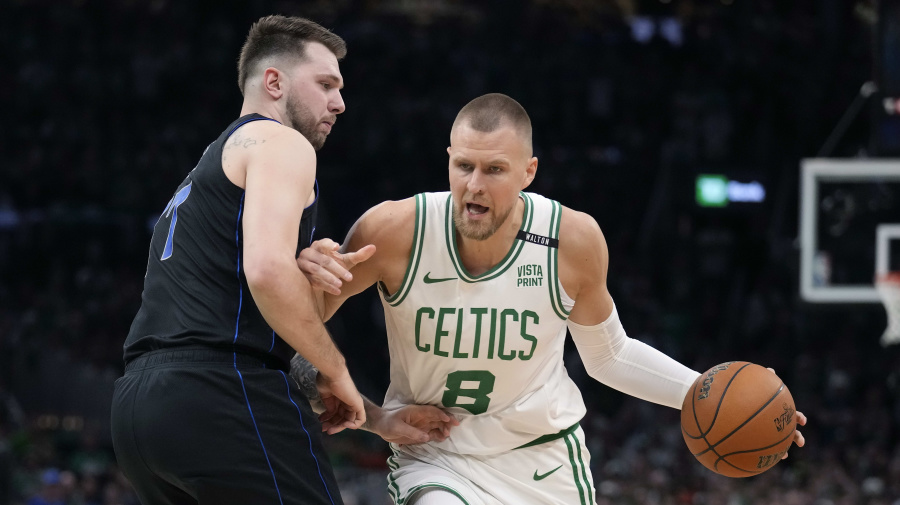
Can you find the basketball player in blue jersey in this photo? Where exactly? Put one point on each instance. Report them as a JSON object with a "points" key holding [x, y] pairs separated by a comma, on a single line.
{"points": [[205, 412], [479, 286]]}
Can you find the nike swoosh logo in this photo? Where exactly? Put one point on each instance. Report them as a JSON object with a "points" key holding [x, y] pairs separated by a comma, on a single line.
{"points": [[429, 280], [544, 476]]}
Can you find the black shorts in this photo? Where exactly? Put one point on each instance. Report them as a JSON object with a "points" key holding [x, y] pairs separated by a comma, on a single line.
{"points": [[213, 427]]}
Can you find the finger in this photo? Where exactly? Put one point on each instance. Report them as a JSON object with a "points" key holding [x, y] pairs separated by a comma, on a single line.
{"points": [[333, 288], [413, 434], [785, 455], [334, 265], [801, 418], [319, 274], [325, 245], [799, 439], [359, 256], [336, 429]]}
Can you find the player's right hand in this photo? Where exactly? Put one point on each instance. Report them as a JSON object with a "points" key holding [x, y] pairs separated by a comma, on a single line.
{"points": [[326, 268], [344, 406], [412, 424]]}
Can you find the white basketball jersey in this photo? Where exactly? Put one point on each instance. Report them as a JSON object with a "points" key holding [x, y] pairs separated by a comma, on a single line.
{"points": [[487, 347]]}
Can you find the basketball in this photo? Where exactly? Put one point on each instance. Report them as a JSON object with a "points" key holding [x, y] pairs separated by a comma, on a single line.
{"points": [[738, 419]]}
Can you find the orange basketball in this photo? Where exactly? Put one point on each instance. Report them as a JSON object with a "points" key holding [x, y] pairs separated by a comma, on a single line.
{"points": [[738, 420]]}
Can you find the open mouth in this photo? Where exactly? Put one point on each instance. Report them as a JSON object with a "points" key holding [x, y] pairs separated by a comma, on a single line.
{"points": [[475, 209]]}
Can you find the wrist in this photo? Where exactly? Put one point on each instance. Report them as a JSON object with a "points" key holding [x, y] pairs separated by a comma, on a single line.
{"points": [[337, 372], [374, 415]]}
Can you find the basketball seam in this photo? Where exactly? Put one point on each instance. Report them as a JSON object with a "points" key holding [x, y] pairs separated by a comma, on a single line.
{"points": [[758, 449], [716, 415], [713, 446]]}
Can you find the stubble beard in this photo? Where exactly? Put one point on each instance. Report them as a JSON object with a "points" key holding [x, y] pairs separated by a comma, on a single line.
{"points": [[303, 121], [477, 231]]}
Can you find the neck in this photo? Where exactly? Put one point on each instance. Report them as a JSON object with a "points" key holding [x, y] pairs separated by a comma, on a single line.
{"points": [[479, 256], [265, 109]]}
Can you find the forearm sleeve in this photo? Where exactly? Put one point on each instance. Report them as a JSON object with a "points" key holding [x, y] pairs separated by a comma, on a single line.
{"points": [[629, 365]]}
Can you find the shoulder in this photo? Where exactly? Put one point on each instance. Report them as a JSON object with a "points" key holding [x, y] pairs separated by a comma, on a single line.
{"points": [[392, 212], [583, 254], [386, 225], [259, 133], [267, 140], [390, 227], [579, 232]]}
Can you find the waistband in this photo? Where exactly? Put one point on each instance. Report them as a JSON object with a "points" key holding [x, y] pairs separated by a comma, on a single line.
{"points": [[188, 355]]}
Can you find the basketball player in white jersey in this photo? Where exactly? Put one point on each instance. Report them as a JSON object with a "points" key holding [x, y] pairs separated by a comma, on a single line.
{"points": [[479, 285]]}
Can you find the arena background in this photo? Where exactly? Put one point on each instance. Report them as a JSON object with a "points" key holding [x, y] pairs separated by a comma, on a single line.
{"points": [[106, 105]]}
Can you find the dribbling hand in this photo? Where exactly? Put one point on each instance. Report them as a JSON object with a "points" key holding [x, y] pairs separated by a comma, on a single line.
{"points": [[799, 441], [326, 268], [343, 404]]}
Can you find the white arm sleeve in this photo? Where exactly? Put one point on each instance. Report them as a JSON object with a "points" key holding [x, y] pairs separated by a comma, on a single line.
{"points": [[630, 365]]}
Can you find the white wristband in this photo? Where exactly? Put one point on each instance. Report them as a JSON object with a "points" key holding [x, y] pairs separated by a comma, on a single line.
{"points": [[629, 365]]}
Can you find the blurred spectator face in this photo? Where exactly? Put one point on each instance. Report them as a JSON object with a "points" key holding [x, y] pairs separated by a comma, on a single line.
{"points": [[112, 494], [487, 171], [313, 96], [52, 490], [68, 482]]}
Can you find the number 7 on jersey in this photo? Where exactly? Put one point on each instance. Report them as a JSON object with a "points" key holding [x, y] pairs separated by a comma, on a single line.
{"points": [[172, 208]]}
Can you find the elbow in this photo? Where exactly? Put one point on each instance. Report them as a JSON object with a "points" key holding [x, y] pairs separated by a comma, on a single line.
{"points": [[263, 273]]}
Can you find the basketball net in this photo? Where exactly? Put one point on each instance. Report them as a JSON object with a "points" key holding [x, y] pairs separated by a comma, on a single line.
{"points": [[888, 286]]}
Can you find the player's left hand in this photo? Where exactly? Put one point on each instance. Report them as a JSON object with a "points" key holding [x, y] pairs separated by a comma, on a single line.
{"points": [[326, 268], [801, 421]]}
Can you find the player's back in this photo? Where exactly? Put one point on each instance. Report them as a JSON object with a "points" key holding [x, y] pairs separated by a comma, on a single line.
{"points": [[488, 347], [195, 292]]}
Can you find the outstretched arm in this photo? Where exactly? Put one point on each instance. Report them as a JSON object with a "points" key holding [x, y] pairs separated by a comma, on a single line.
{"points": [[609, 355]]}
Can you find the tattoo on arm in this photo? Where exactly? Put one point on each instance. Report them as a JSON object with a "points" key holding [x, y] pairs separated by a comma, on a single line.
{"points": [[305, 374]]}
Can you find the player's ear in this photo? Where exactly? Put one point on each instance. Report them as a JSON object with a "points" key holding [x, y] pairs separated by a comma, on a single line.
{"points": [[530, 171], [274, 82]]}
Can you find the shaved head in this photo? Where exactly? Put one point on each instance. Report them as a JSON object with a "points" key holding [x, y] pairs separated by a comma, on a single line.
{"points": [[493, 111]]}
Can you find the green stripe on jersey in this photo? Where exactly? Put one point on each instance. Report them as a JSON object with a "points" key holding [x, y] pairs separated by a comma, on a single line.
{"points": [[549, 438], [553, 263], [587, 484], [575, 470], [414, 256], [445, 487]]}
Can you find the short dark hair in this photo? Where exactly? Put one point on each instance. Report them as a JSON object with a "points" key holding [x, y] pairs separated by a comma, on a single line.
{"points": [[489, 112], [279, 35]]}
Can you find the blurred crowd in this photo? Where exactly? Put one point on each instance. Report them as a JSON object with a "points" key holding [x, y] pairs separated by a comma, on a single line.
{"points": [[110, 103]]}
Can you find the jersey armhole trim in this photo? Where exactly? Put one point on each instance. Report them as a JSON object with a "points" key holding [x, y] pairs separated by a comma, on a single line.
{"points": [[553, 263], [415, 256]]}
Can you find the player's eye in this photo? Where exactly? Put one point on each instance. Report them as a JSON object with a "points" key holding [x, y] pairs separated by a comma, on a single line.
{"points": [[326, 86], [495, 169]]}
